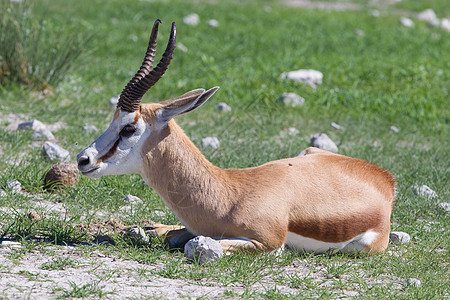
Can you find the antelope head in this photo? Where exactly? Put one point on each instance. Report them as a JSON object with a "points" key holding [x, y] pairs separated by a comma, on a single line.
{"points": [[118, 150]]}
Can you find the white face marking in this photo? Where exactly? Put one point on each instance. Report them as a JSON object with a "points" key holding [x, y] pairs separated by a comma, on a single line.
{"points": [[113, 153], [358, 243]]}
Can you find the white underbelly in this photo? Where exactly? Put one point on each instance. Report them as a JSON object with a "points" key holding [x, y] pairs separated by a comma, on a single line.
{"points": [[300, 243]]}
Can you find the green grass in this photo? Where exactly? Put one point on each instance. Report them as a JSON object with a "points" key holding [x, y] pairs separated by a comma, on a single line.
{"points": [[391, 75]]}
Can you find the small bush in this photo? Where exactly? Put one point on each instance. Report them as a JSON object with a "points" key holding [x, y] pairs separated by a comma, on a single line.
{"points": [[31, 53]]}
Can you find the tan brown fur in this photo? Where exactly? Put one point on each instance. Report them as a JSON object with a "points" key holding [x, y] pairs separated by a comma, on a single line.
{"points": [[321, 195]]}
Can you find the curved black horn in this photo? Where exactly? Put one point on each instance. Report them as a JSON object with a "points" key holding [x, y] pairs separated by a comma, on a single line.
{"points": [[145, 78]]}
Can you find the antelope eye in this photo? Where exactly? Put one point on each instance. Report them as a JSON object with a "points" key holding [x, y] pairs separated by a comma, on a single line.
{"points": [[127, 131]]}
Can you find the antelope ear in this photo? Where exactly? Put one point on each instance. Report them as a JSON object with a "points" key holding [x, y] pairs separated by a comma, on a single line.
{"points": [[183, 104]]}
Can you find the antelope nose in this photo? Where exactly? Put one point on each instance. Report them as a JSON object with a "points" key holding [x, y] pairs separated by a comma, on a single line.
{"points": [[83, 161]]}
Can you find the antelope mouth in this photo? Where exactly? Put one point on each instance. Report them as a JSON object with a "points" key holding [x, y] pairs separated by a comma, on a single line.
{"points": [[89, 172]]}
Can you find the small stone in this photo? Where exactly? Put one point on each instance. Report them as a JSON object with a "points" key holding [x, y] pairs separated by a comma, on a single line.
{"points": [[322, 141], [89, 128], [292, 131], [35, 125], [213, 23], [138, 234], [10, 244], [132, 200], [61, 176], [429, 16], [182, 47], [359, 32], [203, 249], [43, 134], [14, 186], [375, 13], [424, 191], [104, 240], [3, 193], [114, 100], [192, 19], [445, 24], [394, 129], [211, 141], [55, 152], [398, 237], [312, 78], [336, 126], [291, 100], [444, 206], [407, 22], [412, 282], [222, 106]]}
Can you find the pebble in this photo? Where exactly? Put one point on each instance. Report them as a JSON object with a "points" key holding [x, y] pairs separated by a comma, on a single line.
{"points": [[309, 77], [222, 106], [55, 152], [292, 131], [192, 19], [10, 244], [3, 193], [407, 22], [203, 249], [429, 16], [133, 200], [412, 282], [213, 23], [14, 186], [291, 100], [322, 141], [138, 234], [114, 100], [398, 237], [43, 133], [211, 141], [35, 125], [394, 129], [444, 206], [336, 126], [424, 191]]}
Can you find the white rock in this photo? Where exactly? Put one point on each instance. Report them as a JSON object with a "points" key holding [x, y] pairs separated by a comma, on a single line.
{"points": [[336, 126], [138, 234], [213, 23], [55, 152], [182, 47], [203, 249], [133, 200], [114, 100], [14, 186], [309, 77], [375, 13], [398, 237], [445, 24], [35, 125], [292, 130], [429, 16], [211, 141], [444, 206], [394, 129], [424, 191], [359, 32], [413, 282], [10, 244], [407, 22], [222, 106], [89, 128], [191, 19], [43, 134], [291, 100], [322, 141]]}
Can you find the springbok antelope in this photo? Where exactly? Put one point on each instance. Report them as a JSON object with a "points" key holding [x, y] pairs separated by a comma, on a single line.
{"points": [[317, 202]]}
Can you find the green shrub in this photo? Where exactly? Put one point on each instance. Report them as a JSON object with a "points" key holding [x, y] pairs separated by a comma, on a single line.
{"points": [[33, 52]]}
